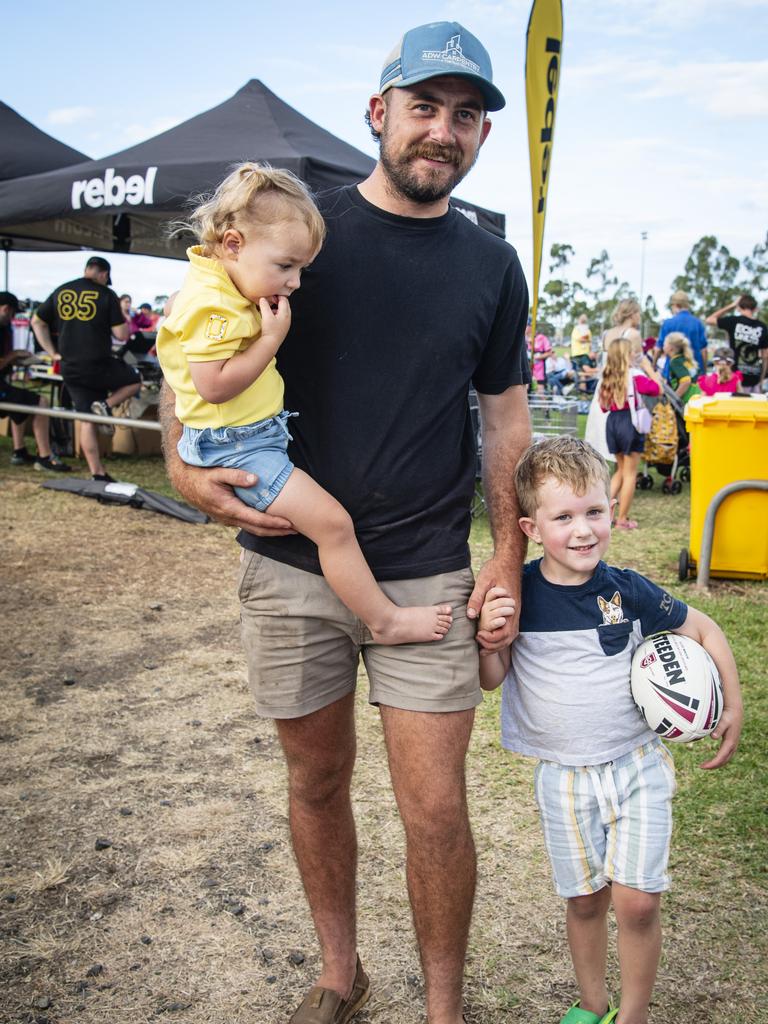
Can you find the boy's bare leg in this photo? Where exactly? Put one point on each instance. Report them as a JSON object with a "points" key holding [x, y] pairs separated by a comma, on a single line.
{"points": [[639, 919], [320, 517], [426, 761], [123, 393], [320, 754], [586, 921]]}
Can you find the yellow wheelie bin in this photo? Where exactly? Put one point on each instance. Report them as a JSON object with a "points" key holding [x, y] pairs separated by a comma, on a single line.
{"points": [[729, 444]]}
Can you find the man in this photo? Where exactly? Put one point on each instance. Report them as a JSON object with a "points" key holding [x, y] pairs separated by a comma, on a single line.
{"points": [[406, 305], [683, 320], [9, 357], [748, 338], [581, 343], [86, 313]]}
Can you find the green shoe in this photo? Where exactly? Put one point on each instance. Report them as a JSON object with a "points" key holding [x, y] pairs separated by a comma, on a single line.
{"points": [[576, 1015]]}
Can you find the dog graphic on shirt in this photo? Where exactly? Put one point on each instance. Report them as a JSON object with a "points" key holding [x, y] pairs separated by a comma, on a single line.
{"points": [[613, 613]]}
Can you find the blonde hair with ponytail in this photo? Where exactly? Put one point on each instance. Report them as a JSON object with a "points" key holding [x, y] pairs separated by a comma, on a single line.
{"points": [[254, 194]]}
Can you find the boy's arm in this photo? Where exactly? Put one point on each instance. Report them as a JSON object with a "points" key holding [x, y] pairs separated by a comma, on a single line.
{"points": [[703, 630], [714, 317], [494, 665], [219, 380]]}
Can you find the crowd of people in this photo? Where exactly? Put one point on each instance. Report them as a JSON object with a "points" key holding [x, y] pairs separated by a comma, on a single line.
{"points": [[403, 305]]}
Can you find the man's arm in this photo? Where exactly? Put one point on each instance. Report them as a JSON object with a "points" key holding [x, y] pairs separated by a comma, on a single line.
{"points": [[506, 426], [42, 332], [121, 331], [211, 489], [713, 317]]}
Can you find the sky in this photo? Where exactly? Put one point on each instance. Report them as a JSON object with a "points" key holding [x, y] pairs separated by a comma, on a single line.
{"points": [[660, 123]]}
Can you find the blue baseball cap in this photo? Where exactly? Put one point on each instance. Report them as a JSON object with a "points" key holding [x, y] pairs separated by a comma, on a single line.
{"points": [[441, 48]]}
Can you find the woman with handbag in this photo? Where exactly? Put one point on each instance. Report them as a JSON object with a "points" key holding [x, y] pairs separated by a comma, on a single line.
{"points": [[627, 375]]}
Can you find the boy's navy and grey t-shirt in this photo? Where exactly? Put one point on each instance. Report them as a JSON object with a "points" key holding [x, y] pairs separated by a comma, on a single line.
{"points": [[567, 697]]}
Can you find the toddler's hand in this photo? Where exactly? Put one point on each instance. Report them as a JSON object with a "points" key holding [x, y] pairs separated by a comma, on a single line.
{"points": [[497, 608], [275, 322]]}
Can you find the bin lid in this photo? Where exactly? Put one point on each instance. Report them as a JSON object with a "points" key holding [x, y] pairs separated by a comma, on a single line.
{"points": [[746, 408]]}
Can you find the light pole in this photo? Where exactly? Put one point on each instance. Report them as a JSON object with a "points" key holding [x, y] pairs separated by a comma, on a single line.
{"points": [[643, 240]]}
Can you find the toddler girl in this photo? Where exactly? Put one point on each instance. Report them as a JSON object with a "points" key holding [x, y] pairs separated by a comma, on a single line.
{"points": [[217, 349]]}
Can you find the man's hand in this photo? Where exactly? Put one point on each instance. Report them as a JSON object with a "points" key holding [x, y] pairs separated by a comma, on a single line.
{"points": [[495, 574], [211, 491]]}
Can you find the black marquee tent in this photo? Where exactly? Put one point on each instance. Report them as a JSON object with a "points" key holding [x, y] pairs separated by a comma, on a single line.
{"points": [[123, 203], [29, 150]]}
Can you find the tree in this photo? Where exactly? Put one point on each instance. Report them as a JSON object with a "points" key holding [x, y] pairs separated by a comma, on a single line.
{"points": [[756, 266], [710, 276]]}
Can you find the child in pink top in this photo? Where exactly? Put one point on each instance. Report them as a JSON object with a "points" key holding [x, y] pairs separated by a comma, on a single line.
{"points": [[724, 379]]}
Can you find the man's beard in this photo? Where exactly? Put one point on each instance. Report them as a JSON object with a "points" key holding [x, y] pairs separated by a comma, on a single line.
{"points": [[431, 185]]}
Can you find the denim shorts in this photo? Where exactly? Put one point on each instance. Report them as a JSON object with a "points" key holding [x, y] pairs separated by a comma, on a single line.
{"points": [[260, 448]]}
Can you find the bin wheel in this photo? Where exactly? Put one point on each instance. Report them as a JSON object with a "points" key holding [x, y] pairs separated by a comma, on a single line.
{"points": [[675, 487], [683, 565], [685, 474]]}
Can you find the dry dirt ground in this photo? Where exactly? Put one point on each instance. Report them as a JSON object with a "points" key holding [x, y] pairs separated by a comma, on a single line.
{"points": [[146, 872]]}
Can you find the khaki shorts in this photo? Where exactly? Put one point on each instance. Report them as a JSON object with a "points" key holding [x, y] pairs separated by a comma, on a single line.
{"points": [[303, 645]]}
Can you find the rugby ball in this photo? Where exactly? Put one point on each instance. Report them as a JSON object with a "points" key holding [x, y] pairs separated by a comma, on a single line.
{"points": [[676, 687]]}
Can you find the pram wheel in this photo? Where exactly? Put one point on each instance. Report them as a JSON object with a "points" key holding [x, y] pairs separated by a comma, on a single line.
{"points": [[644, 481], [668, 487], [675, 487], [683, 565], [685, 474]]}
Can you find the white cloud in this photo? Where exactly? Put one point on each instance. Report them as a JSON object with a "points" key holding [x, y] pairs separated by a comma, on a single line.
{"points": [[70, 115]]}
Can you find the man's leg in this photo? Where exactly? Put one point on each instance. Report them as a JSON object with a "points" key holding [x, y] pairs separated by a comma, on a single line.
{"points": [[319, 750], [89, 446], [426, 761]]}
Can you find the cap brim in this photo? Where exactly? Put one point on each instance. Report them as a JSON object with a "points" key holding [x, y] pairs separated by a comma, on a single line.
{"points": [[494, 100]]}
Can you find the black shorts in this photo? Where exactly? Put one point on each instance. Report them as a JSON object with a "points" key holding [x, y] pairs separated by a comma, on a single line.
{"points": [[94, 384], [620, 434], [19, 396]]}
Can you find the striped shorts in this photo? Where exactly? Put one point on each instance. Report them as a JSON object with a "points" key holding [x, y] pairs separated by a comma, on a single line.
{"points": [[608, 822]]}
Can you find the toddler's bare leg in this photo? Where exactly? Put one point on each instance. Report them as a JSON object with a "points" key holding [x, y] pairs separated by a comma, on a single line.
{"points": [[320, 517]]}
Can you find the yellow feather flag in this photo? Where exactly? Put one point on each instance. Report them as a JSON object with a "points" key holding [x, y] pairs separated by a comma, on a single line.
{"points": [[543, 52]]}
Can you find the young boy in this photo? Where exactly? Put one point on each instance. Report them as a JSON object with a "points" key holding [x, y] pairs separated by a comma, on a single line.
{"points": [[604, 781]]}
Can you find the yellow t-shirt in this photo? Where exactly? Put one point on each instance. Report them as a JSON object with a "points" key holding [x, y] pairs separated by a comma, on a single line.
{"points": [[211, 320], [581, 340]]}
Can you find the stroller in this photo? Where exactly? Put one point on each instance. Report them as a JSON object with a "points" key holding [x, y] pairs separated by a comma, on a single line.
{"points": [[667, 447]]}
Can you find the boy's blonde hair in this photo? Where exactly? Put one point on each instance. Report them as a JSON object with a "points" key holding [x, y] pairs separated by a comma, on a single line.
{"points": [[254, 194], [567, 460], [681, 347]]}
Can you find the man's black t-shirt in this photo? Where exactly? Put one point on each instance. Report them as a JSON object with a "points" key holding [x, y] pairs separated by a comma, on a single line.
{"points": [[394, 319], [84, 313], [6, 347], [748, 337]]}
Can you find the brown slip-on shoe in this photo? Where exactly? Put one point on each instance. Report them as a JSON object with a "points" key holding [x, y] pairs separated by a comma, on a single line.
{"points": [[324, 1006]]}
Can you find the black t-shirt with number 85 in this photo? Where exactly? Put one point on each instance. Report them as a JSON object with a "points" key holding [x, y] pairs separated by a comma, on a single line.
{"points": [[83, 312]]}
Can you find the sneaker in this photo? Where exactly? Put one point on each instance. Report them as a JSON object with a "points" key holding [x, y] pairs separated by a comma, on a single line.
{"points": [[21, 457], [104, 478], [103, 409], [52, 464]]}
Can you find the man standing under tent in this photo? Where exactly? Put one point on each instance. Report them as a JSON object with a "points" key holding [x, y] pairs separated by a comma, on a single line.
{"points": [[85, 313], [406, 305]]}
